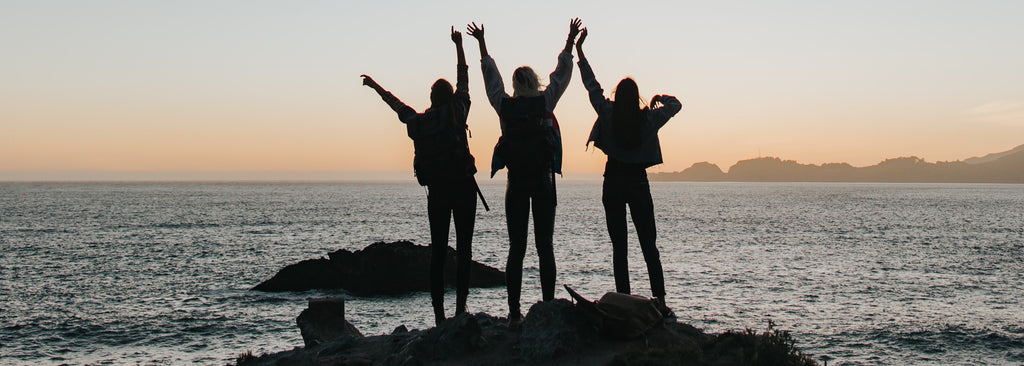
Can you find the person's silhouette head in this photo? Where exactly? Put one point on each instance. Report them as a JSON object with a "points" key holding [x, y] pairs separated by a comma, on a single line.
{"points": [[627, 115], [627, 93], [441, 93], [525, 82]]}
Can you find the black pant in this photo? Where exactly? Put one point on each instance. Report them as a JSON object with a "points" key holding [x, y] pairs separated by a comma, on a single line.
{"points": [[522, 188], [626, 184], [443, 201]]}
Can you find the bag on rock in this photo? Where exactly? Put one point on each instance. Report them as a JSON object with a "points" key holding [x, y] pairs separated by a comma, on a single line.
{"points": [[619, 315]]}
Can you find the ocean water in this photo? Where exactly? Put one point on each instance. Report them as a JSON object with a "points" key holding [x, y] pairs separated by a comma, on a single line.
{"points": [[157, 273]]}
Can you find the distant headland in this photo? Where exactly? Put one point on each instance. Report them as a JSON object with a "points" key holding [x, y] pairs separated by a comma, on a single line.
{"points": [[1003, 167]]}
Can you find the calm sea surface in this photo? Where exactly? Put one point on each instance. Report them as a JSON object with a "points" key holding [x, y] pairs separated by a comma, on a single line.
{"points": [[100, 273]]}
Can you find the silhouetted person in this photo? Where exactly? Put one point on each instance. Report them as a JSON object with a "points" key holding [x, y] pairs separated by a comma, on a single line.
{"points": [[530, 146], [629, 136], [443, 164]]}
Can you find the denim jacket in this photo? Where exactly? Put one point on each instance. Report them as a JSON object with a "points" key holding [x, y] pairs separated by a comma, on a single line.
{"points": [[649, 152]]}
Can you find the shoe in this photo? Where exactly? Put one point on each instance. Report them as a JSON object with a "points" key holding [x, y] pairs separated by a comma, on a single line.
{"points": [[664, 309], [667, 313], [515, 320]]}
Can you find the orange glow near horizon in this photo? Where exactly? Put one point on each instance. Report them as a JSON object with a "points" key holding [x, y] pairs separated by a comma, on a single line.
{"points": [[143, 88]]}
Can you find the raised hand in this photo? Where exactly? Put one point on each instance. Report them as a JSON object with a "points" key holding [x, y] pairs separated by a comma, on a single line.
{"points": [[655, 100], [583, 36], [368, 81], [574, 27], [456, 36], [477, 32]]}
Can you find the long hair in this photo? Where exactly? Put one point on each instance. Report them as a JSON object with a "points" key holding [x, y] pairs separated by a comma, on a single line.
{"points": [[443, 96], [441, 93], [525, 82], [627, 117]]}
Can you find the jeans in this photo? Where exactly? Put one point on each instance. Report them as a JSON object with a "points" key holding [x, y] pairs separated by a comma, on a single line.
{"points": [[626, 184], [456, 199], [521, 190]]}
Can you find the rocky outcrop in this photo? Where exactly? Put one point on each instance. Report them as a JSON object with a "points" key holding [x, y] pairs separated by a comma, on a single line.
{"points": [[550, 329], [324, 321], [554, 333], [379, 269], [460, 335]]}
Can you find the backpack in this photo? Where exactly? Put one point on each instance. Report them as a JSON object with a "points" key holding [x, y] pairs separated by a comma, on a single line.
{"points": [[619, 316], [528, 141], [441, 148]]}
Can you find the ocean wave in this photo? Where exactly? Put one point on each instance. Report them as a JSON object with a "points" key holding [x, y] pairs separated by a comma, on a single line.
{"points": [[906, 343], [184, 225], [39, 231], [262, 232]]}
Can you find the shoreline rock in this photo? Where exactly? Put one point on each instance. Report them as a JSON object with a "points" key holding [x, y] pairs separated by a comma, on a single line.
{"points": [[553, 333], [379, 269], [323, 320]]}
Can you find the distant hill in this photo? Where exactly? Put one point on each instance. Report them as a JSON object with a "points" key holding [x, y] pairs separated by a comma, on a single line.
{"points": [[994, 156], [1005, 167]]}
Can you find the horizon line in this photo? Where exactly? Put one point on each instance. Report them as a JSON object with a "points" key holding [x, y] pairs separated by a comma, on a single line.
{"points": [[87, 176], [81, 175]]}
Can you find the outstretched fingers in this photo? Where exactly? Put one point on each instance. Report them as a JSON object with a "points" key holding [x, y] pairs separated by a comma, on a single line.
{"points": [[476, 31], [574, 27]]}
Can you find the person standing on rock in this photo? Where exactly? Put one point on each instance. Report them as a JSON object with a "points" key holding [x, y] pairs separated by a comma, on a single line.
{"points": [[531, 148], [445, 166], [628, 134]]}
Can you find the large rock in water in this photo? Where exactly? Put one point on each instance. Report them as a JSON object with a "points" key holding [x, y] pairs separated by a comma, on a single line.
{"points": [[379, 269]]}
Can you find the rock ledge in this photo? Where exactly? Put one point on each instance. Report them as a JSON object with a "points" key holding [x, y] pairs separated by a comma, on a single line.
{"points": [[553, 333], [379, 269]]}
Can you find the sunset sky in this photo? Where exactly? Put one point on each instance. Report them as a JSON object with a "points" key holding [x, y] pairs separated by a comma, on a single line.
{"points": [[271, 90]]}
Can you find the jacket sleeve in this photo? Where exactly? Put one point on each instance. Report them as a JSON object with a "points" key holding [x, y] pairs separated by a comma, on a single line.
{"points": [[462, 93], [597, 100], [596, 93], [492, 82], [659, 116], [558, 80], [405, 112], [462, 80]]}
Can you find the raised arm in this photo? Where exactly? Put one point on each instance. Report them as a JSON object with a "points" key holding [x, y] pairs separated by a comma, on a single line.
{"points": [[559, 79], [478, 33], [404, 111], [574, 29], [492, 78], [579, 43], [461, 69], [596, 93], [659, 115], [460, 103]]}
